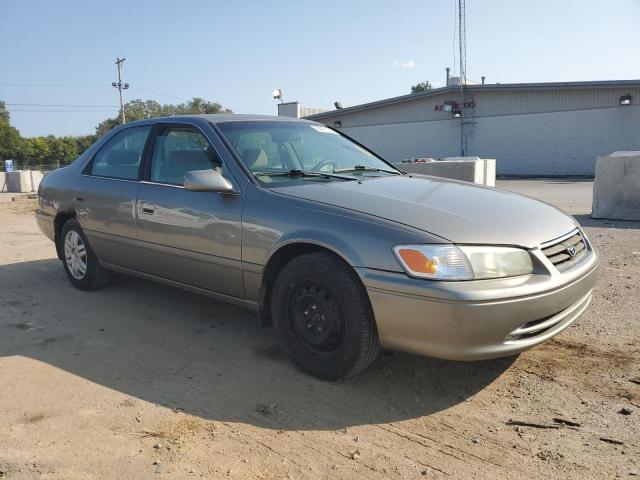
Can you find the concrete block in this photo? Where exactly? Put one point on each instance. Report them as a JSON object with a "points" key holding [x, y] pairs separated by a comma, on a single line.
{"points": [[36, 178], [3, 182], [489, 172], [19, 181], [468, 169], [616, 190]]}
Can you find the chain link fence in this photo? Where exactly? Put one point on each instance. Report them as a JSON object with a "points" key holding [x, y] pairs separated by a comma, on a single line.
{"points": [[32, 165]]}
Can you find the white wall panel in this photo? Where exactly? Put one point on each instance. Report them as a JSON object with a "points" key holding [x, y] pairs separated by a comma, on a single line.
{"points": [[556, 143]]}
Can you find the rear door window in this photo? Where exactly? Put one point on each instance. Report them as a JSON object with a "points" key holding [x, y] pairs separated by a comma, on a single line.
{"points": [[120, 156]]}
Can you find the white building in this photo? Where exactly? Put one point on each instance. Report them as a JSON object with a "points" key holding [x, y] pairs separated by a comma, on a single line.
{"points": [[296, 110], [531, 129]]}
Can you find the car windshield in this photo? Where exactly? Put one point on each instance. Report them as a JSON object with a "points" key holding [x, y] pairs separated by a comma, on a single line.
{"points": [[281, 152]]}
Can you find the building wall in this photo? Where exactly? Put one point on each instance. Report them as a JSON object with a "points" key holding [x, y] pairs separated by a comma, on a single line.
{"points": [[296, 110], [550, 143], [290, 109], [490, 101]]}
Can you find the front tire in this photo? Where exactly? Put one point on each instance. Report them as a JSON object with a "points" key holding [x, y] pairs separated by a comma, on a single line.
{"points": [[322, 317], [80, 263]]}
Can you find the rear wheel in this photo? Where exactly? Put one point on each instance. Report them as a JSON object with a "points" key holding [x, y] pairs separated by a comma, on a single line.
{"points": [[322, 317], [81, 264]]}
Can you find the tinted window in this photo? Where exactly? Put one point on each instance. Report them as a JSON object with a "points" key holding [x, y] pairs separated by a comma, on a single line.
{"points": [[120, 156], [178, 151]]}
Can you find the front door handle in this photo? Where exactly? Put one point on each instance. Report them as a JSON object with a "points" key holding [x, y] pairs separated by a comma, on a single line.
{"points": [[148, 209]]}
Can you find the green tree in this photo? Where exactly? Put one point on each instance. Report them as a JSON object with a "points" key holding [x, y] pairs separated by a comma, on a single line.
{"points": [[138, 109], [10, 141], [421, 87], [62, 150], [106, 125], [51, 150], [4, 113], [35, 151], [83, 142]]}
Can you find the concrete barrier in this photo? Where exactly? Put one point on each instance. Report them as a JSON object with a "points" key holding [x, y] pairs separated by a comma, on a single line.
{"points": [[616, 190], [36, 178], [3, 182], [19, 181], [468, 169]]}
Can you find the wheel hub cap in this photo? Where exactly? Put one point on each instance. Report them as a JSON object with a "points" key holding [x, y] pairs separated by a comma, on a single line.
{"points": [[75, 255]]}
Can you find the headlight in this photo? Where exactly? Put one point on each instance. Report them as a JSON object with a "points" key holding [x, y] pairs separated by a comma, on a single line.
{"points": [[450, 262]]}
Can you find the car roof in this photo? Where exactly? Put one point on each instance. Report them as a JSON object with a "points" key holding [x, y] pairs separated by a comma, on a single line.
{"points": [[222, 118]]}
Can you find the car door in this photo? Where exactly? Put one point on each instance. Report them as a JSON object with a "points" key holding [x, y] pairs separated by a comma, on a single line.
{"points": [[105, 197], [190, 237]]}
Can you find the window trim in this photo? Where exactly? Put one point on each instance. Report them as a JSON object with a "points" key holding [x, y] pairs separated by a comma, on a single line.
{"points": [[86, 170]]}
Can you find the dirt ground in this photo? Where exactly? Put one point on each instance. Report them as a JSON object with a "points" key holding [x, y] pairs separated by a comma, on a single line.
{"points": [[140, 380]]}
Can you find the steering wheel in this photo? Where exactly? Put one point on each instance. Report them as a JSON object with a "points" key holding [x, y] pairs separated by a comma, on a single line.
{"points": [[318, 167]]}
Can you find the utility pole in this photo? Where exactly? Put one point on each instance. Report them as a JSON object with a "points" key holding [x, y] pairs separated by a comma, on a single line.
{"points": [[120, 86]]}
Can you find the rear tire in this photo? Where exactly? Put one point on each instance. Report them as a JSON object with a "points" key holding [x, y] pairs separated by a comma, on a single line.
{"points": [[80, 263], [322, 317]]}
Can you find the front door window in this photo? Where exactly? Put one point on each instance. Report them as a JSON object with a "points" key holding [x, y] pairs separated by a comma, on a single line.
{"points": [[180, 150]]}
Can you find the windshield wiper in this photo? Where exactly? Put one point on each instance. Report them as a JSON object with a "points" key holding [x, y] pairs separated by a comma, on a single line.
{"points": [[302, 173], [363, 168]]}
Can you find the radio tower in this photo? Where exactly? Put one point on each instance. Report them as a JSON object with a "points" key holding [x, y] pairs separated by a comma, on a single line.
{"points": [[464, 94]]}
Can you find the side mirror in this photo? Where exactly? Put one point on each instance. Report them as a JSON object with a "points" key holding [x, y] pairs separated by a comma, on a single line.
{"points": [[207, 181]]}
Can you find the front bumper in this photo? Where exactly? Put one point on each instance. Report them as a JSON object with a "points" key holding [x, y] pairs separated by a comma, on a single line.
{"points": [[479, 319]]}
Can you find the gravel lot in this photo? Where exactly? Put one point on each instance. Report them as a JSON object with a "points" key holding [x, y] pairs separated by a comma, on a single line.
{"points": [[140, 380]]}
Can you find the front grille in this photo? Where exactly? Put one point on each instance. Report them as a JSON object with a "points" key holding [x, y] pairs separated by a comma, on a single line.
{"points": [[567, 251]]}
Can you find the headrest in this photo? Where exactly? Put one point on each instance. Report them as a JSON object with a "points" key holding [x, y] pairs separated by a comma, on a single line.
{"points": [[123, 157], [181, 161], [254, 158]]}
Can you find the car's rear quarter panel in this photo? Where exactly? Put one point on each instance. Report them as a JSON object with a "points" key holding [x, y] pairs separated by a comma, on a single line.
{"points": [[54, 198]]}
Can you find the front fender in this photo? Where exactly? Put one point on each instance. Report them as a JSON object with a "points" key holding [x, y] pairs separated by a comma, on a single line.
{"points": [[271, 221], [324, 239]]}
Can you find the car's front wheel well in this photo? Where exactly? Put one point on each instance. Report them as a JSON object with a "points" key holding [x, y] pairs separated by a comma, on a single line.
{"points": [[58, 223], [275, 264]]}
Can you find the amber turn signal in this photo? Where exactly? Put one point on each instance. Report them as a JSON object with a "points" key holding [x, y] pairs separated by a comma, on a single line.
{"points": [[418, 261]]}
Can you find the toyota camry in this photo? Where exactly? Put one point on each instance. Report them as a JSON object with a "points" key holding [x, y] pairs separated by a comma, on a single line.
{"points": [[338, 250]]}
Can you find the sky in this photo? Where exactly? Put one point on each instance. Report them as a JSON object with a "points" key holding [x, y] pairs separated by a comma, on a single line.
{"points": [[317, 52]]}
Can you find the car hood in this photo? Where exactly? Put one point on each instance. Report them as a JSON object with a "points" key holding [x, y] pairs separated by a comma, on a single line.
{"points": [[457, 211]]}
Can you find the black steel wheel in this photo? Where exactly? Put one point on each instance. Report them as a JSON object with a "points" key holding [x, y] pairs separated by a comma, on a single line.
{"points": [[315, 318], [323, 318]]}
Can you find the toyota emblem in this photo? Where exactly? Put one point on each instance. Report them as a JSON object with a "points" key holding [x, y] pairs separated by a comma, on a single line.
{"points": [[571, 250]]}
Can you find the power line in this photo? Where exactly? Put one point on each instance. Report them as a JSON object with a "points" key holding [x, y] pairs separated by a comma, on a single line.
{"points": [[73, 85], [160, 93], [70, 85], [59, 105], [58, 111]]}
